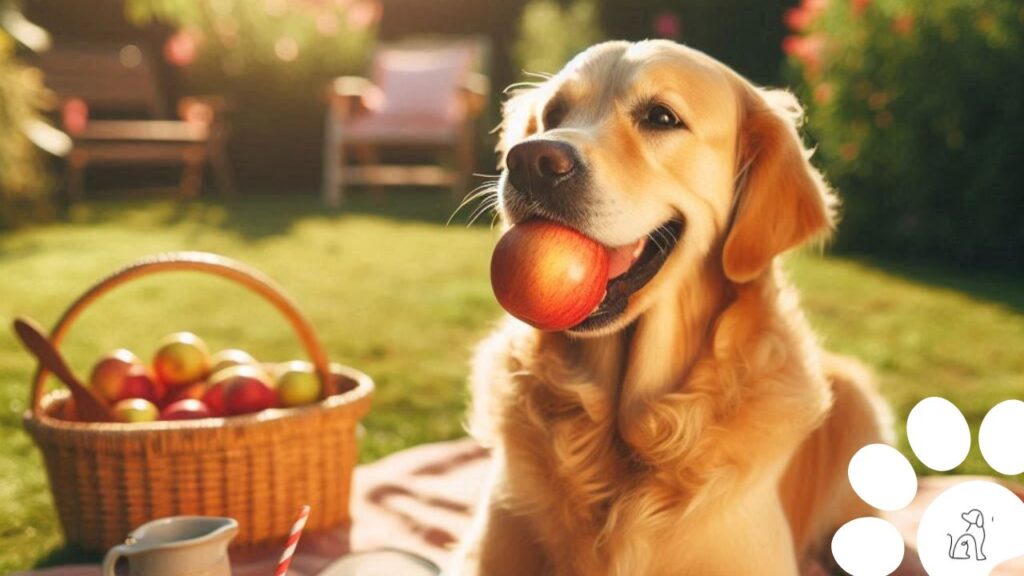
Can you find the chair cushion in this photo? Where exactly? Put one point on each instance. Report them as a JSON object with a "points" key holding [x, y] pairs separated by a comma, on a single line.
{"points": [[385, 128], [422, 83]]}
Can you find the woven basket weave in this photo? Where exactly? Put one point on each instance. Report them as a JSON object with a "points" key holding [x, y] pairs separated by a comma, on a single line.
{"points": [[109, 478]]}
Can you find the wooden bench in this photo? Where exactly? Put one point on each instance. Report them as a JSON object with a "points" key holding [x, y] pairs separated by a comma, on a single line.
{"points": [[116, 114]]}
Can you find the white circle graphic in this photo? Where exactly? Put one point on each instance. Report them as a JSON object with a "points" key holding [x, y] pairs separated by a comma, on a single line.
{"points": [[1001, 436], [938, 433], [868, 547], [882, 477]]}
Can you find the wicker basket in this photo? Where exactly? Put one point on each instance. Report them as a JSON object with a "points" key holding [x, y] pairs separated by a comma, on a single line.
{"points": [[108, 478]]}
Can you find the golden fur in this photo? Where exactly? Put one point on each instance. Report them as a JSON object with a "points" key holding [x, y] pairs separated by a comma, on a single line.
{"points": [[705, 431]]}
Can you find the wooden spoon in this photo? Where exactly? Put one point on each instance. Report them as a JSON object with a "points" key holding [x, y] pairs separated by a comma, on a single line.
{"points": [[91, 407]]}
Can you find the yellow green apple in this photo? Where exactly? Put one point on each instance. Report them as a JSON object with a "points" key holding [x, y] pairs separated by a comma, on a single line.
{"points": [[297, 383], [135, 410], [181, 359], [231, 357]]}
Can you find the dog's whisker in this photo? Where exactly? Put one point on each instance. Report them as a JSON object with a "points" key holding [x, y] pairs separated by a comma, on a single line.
{"points": [[653, 236], [518, 85], [480, 192], [542, 75], [482, 209], [479, 211]]}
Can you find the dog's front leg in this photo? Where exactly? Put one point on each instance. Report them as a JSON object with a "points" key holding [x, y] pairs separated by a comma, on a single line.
{"points": [[499, 543]]}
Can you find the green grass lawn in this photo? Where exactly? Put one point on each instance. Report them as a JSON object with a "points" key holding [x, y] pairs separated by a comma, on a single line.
{"points": [[399, 295]]}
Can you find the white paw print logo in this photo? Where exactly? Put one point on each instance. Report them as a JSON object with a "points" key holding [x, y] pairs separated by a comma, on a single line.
{"points": [[967, 530]]}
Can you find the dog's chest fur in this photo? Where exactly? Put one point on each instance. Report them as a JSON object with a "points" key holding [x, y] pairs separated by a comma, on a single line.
{"points": [[575, 465]]}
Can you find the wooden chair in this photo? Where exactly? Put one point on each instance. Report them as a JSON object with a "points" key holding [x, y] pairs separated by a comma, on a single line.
{"points": [[116, 114], [419, 96]]}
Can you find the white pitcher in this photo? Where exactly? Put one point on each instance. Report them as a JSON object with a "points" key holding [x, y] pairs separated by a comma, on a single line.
{"points": [[193, 545]]}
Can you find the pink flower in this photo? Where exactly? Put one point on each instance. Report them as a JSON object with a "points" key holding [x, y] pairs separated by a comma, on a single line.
{"points": [[667, 25], [75, 115], [181, 48], [814, 8], [797, 19], [807, 49], [903, 25], [364, 14]]}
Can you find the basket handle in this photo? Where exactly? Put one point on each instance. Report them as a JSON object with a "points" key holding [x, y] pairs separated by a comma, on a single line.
{"points": [[197, 262]]}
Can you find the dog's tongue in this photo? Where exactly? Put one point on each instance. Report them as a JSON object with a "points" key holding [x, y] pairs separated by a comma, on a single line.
{"points": [[621, 258]]}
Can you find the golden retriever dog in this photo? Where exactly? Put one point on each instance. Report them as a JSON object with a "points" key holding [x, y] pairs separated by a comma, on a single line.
{"points": [[692, 424]]}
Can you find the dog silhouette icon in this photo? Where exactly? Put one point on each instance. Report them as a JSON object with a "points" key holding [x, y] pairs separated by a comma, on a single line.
{"points": [[971, 543]]}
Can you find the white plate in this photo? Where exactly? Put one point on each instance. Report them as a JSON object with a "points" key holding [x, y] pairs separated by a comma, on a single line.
{"points": [[386, 562]]}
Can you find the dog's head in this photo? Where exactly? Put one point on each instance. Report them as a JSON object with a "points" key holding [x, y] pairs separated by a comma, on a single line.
{"points": [[668, 155]]}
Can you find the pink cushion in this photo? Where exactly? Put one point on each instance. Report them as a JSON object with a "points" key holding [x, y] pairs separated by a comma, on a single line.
{"points": [[401, 129], [421, 83]]}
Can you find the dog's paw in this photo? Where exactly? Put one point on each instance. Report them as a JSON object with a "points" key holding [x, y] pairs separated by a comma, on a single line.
{"points": [[967, 530]]}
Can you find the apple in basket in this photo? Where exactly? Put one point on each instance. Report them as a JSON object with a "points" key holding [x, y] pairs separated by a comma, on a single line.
{"points": [[213, 397], [182, 358], [108, 373], [187, 409], [194, 391], [246, 389], [297, 383], [135, 410], [140, 383], [213, 391], [231, 357]]}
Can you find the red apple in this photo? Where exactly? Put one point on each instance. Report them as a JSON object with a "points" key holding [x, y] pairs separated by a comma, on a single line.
{"points": [[231, 357], [140, 383], [213, 397], [108, 373], [181, 359], [246, 390], [297, 383], [194, 391], [187, 409], [548, 275], [135, 410]]}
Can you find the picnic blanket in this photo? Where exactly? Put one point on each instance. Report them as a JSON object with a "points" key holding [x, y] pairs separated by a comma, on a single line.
{"points": [[422, 499]]}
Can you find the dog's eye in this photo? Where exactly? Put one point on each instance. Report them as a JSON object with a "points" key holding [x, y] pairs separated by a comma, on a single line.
{"points": [[661, 118]]}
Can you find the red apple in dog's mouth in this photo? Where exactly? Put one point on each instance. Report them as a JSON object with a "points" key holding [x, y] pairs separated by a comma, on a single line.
{"points": [[553, 277]]}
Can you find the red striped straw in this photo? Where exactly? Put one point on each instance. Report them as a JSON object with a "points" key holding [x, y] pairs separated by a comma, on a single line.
{"points": [[293, 541]]}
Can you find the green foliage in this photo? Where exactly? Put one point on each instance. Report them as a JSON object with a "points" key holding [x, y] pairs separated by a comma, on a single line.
{"points": [[917, 107], [24, 181], [550, 34]]}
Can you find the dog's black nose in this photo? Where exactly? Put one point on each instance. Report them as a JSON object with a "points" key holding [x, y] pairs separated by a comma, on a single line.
{"points": [[538, 166]]}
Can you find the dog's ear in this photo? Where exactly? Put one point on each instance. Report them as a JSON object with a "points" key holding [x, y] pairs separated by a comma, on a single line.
{"points": [[976, 518], [781, 201], [518, 120]]}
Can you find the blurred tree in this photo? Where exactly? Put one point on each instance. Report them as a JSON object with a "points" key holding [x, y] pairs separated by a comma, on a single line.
{"points": [[550, 34], [24, 136], [917, 107]]}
